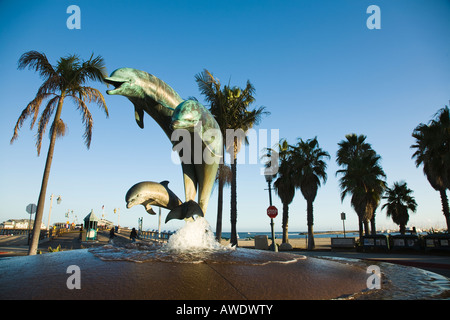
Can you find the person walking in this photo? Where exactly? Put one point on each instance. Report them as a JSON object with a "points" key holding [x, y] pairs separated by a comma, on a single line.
{"points": [[133, 235], [111, 235]]}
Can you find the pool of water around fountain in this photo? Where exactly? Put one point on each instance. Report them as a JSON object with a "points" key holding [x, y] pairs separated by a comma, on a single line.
{"points": [[400, 282], [193, 243], [202, 269]]}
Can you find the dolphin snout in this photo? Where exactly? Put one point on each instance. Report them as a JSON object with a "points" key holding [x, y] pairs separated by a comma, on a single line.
{"points": [[116, 82]]}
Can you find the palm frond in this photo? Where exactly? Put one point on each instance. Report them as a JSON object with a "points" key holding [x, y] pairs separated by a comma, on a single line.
{"points": [[93, 69], [31, 108], [37, 61], [208, 85], [61, 129], [87, 120], [43, 121], [92, 95]]}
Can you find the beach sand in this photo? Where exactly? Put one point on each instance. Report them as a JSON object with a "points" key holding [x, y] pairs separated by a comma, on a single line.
{"points": [[297, 244]]}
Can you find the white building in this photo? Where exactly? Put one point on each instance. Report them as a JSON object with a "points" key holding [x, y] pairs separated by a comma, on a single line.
{"points": [[19, 224]]}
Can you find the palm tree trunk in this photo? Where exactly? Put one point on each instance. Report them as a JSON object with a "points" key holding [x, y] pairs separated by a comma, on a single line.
{"points": [[366, 227], [402, 229], [445, 207], [41, 201], [219, 210], [285, 222], [373, 227], [310, 222], [233, 214], [360, 226]]}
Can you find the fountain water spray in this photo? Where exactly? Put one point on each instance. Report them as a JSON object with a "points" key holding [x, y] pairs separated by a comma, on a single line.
{"points": [[194, 236]]}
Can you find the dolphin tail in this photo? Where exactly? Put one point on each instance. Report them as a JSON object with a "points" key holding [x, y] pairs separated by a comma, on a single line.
{"points": [[185, 210]]}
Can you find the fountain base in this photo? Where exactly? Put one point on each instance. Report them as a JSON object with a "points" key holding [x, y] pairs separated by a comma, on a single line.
{"points": [[296, 277]]}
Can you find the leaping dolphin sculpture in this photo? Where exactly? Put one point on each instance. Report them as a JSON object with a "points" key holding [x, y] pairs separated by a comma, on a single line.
{"points": [[195, 118], [148, 193], [159, 100]]}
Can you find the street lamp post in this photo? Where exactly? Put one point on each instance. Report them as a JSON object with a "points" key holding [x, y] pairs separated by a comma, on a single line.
{"points": [[58, 201], [117, 210], [269, 177]]}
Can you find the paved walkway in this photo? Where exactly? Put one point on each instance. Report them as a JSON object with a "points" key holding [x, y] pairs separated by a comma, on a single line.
{"points": [[17, 245]]}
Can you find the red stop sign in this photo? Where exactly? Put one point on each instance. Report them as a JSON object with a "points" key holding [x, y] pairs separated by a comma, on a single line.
{"points": [[272, 211]]}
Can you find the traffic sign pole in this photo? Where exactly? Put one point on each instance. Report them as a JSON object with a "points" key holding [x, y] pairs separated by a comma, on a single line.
{"points": [[31, 208], [343, 221], [272, 212]]}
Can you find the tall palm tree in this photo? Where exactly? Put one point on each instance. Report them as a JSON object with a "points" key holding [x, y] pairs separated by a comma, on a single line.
{"points": [[433, 152], [399, 201], [285, 183], [362, 177], [240, 121], [210, 87], [230, 106], [64, 80], [309, 170]]}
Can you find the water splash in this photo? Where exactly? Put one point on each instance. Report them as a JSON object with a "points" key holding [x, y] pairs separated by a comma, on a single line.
{"points": [[194, 236]]}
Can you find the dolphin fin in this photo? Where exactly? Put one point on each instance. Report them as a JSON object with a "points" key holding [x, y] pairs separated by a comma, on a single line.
{"points": [[165, 183], [139, 115], [185, 210], [148, 208]]}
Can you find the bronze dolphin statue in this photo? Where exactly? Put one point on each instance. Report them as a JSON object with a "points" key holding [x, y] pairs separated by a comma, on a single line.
{"points": [[159, 100], [195, 119], [148, 193]]}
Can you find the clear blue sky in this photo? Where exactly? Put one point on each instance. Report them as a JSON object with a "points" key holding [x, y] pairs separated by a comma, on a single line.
{"points": [[315, 65]]}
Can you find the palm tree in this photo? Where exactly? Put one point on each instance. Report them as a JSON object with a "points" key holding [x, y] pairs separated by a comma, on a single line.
{"points": [[230, 108], [240, 121], [210, 87], [62, 81], [309, 170], [362, 177], [433, 152], [285, 183], [399, 201]]}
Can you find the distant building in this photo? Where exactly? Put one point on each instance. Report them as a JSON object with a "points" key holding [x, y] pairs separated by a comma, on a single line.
{"points": [[105, 224], [18, 224], [7, 225]]}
